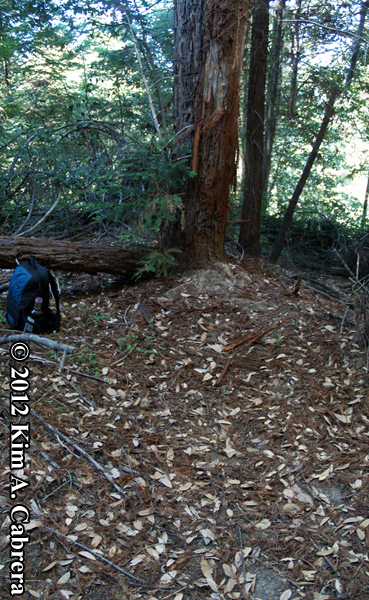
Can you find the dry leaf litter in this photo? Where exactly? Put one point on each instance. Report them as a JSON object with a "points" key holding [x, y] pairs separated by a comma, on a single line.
{"points": [[229, 468]]}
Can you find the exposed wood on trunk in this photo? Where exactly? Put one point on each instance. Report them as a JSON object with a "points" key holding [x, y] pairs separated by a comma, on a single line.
{"points": [[209, 41], [70, 256]]}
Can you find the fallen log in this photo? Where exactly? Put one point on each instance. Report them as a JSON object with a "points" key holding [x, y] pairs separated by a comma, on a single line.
{"points": [[70, 256]]}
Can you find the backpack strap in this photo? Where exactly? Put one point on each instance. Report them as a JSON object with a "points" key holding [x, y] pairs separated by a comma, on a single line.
{"points": [[32, 262], [55, 293]]}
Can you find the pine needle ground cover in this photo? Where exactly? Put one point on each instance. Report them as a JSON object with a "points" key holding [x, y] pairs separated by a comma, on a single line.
{"points": [[208, 439]]}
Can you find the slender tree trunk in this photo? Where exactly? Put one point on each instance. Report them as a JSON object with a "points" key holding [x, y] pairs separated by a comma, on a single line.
{"points": [[295, 53], [154, 71], [209, 41], [272, 92], [365, 205], [278, 245], [6, 72], [144, 79], [253, 173]]}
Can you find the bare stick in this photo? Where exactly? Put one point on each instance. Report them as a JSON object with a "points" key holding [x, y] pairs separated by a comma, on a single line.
{"points": [[38, 339], [256, 338], [40, 221], [29, 214], [298, 284], [99, 556], [80, 450], [344, 263], [46, 361], [343, 320], [77, 390]]}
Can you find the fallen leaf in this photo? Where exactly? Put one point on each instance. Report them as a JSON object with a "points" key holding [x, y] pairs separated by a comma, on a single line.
{"points": [[87, 555], [207, 533], [152, 552], [64, 578], [208, 576], [325, 552], [112, 392], [343, 418], [168, 577], [263, 524], [84, 569], [81, 527], [137, 560], [228, 570], [50, 566], [96, 541], [166, 481]]}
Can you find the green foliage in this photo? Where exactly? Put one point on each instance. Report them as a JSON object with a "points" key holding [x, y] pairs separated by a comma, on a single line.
{"points": [[157, 262], [324, 56], [87, 359], [75, 120], [132, 341]]}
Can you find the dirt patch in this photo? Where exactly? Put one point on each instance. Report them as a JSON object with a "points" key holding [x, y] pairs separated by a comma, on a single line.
{"points": [[256, 487]]}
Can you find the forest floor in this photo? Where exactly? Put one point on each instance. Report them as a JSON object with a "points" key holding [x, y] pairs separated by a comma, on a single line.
{"points": [[215, 478]]}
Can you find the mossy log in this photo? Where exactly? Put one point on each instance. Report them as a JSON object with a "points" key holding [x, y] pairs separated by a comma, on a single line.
{"points": [[70, 256]]}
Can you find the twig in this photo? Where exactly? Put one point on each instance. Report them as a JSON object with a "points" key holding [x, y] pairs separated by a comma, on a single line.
{"points": [[145, 314], [344, 263], [51, 362], [250, 336], [40, 221], [245, 594], [344, 319], [22, 226], [38, 339], [325, 294], [243, 350], [298, 284], [99, 556], [77, 390], [80, 450]]}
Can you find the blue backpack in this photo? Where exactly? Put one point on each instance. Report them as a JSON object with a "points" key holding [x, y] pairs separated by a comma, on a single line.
{"points": [[28, 281]]}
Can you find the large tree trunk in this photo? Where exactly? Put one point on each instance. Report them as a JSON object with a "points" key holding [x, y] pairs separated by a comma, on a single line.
{"points": [[253, 179], [69, 256], [278, 244], [209, 37]]}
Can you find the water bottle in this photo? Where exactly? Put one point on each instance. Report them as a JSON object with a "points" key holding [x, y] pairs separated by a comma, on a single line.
{"points": [[34, 317]]}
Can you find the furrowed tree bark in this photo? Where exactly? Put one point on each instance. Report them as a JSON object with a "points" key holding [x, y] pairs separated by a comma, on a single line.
{"points": [[209, 37], [249, 237], [69, 256], [278, 245]]}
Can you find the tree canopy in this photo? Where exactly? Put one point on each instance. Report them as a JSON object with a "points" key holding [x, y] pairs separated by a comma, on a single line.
{"points": [[90, 131]]}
